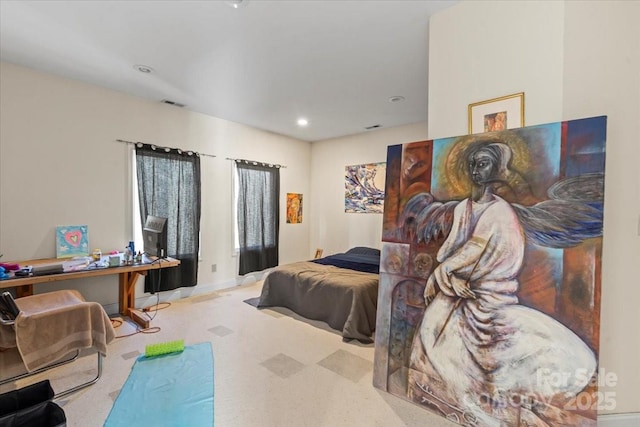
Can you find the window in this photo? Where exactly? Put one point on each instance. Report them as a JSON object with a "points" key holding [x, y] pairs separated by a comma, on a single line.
{"points": [[258, 215], [169, 186]]}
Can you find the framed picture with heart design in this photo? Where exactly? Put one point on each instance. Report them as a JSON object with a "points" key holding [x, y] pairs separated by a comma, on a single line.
{"points": [[72, 240]]}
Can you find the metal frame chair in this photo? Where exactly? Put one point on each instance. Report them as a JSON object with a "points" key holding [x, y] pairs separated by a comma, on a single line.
{"points": [[6, 321]]}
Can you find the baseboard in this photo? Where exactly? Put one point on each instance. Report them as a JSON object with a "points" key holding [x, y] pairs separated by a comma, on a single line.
{"points": [[148, 299], [631, 419]]}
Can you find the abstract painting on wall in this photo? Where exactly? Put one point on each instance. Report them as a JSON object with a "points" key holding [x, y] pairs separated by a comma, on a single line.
{"points": [[72, 240], [294, 208], [364, 188], [489, 297]]}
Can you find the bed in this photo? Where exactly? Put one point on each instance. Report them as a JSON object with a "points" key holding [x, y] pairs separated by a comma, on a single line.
{"points": [[340, 289]]}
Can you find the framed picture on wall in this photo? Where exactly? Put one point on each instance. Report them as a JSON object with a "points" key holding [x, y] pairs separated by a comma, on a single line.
{"points": [[294, 208], [72, 240], [505, 112], [364, 188]]}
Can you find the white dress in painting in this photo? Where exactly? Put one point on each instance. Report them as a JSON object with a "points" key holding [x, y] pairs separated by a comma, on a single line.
{"points": [[471, 352]]}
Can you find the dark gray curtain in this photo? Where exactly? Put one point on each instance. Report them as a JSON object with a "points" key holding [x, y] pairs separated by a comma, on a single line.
{"points": [[169, 186], [258, 215]]}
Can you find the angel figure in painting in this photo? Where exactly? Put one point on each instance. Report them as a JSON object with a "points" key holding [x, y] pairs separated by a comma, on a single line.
{"points": [[476, 344]]}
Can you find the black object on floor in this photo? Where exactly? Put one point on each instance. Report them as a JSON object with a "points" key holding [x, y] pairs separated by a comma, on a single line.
{"points": [[253, 301], [31, 406]]}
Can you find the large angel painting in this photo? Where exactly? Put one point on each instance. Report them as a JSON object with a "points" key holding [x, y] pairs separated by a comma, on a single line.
{"points": [[494, 320]]}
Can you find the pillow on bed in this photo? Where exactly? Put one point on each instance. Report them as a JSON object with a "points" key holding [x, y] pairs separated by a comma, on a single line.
{"points": [[361, 250]]}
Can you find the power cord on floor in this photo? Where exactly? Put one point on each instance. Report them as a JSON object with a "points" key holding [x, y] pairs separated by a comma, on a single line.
{"points": [[151, 330], [157, 306]]}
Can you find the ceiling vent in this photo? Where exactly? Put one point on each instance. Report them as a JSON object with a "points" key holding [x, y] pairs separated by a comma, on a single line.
{"points": [[175, 104], [373, 127]]}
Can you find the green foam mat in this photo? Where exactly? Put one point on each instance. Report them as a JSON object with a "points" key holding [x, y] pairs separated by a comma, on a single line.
{"points": [[164, 348]]}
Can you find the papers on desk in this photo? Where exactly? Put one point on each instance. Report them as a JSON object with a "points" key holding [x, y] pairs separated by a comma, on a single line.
{"points": [[75, 264], [56, 267]]}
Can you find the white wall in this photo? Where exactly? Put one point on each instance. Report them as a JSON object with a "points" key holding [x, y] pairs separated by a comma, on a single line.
{"points": [[485, 49], [572, 59], [60, 165], [602, 77], [331, 228]]}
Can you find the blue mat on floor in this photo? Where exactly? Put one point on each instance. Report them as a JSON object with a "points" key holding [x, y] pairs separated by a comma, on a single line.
{"points": [[169, 390]]}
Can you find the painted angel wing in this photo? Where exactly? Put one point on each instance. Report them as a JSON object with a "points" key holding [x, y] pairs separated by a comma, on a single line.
{"points": [[573, 213], [423, 218]]}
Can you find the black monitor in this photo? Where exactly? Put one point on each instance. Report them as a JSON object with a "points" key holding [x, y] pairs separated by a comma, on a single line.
{"points": [[154, 234]]}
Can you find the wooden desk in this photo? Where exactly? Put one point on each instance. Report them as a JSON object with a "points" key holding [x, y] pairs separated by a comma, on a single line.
{"points": [[128, 275]]}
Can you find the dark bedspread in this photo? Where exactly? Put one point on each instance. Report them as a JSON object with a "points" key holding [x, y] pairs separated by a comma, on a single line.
{"points": [[357, 262], [344, 298]]}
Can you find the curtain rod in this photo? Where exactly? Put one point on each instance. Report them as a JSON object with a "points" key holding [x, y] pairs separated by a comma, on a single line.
{"points": [[164, 148], [255, 162]]}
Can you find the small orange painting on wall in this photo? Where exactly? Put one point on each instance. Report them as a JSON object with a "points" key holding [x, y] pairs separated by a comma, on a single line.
{"points": [[294, 208]]}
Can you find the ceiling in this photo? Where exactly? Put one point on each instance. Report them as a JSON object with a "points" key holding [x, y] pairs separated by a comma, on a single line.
{"points": [[264, 64]]}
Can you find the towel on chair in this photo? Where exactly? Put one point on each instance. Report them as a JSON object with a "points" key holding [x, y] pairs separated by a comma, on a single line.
{"points": [[53, 324]]}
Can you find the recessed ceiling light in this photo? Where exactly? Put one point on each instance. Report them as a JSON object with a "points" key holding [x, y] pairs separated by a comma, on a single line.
{"points": [[396, 99], [143, 69], [303, 122]]}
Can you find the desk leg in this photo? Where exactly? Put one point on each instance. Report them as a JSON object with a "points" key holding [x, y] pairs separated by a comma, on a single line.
{"points": [[127, 291], [24, 291]]}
